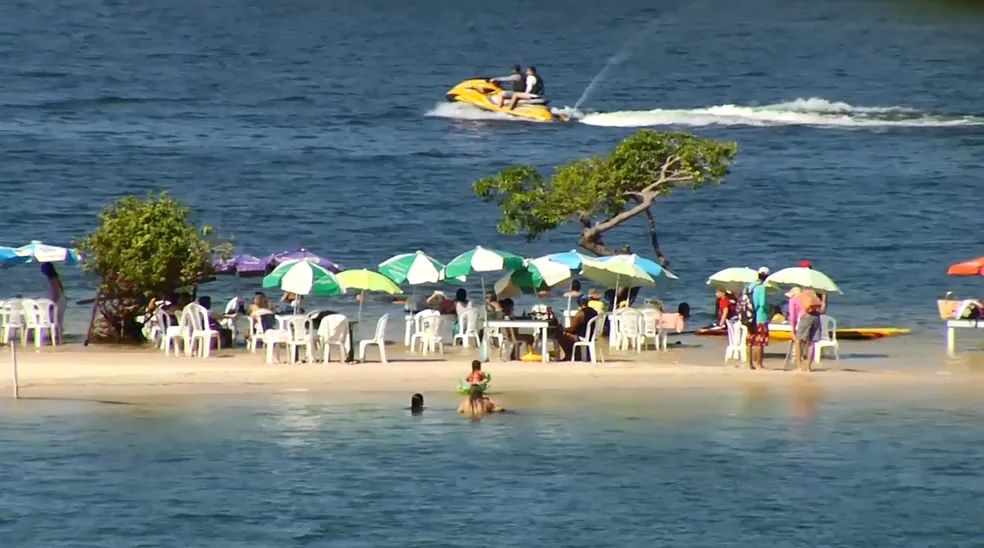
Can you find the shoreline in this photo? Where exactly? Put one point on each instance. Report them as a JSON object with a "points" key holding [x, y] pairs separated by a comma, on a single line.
{"points": [[74, 371]]}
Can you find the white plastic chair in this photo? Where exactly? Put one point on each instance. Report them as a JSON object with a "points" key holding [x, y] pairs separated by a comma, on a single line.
{"points": [[12, 315], [256, 331], [828, 338], [651, 327], [39, 318], [333, 331], [589, 342], [468, 328], [201, 332], [300, 330], [509, 343], [429, 334], [379, 339], [630, 329], [229, 318], [614, 336], [179, 333], [737, 341], [418, 327], [161, 328]]}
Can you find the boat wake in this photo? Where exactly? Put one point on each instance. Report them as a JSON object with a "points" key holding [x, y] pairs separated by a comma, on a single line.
{"points": [[800, 112], [815, 111]]}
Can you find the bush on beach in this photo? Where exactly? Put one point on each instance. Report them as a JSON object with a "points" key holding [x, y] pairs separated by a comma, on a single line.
{"points": [[143, 248]]}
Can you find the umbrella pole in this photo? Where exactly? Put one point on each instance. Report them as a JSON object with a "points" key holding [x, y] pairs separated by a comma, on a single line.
{"points": [[358, 319], [13, 364], [483, 343]]}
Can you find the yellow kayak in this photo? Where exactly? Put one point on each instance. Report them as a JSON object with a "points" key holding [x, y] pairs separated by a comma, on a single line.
{"points": [[782, 332]]}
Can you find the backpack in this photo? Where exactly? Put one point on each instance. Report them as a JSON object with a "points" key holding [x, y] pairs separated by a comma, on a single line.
{"points": [[746, 310]]}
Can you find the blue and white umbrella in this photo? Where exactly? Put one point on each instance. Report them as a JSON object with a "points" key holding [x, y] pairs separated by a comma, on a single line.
{"points": [[571, 259], [8, 256], [648, 266], [37, 252]]}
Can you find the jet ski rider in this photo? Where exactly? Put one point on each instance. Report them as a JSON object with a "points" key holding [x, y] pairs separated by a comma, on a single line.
{"points": [[514, 80], [534, 87]]}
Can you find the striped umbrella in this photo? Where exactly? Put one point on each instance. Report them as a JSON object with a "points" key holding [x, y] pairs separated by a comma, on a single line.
{"points": [[413, 268], [37, 252]]}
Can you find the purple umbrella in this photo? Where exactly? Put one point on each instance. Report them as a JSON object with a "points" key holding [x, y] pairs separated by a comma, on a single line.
{"points": [[243, 265], [298, 254]]}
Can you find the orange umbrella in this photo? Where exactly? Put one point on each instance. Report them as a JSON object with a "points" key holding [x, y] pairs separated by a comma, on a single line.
{"points": [[973, 267]]}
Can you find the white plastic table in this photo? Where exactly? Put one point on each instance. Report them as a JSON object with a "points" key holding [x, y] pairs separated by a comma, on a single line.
{"points": [[542, 326]]}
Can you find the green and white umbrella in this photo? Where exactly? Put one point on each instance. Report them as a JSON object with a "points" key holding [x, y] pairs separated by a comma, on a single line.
{"points": [[303, 277], [481, 259], [412, 268], [533, 275]]}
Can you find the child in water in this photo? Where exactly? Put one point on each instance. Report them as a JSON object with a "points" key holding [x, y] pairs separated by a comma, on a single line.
{"points": [[477, 405], [476, 376]]}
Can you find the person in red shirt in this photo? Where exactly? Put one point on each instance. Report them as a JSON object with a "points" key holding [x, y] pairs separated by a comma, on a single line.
{"points": [[726, 304]]}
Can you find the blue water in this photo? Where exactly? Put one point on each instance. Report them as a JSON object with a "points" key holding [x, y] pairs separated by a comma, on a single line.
{"points": [[321, 125], [740, 468]]}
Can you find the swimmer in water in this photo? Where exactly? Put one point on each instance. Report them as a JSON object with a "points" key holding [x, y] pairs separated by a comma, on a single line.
{"points": [[477, 405], [476, 376], [417, 404]]}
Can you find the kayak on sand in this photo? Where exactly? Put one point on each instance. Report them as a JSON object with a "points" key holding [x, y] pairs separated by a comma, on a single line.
{"points": [[783, 332]]}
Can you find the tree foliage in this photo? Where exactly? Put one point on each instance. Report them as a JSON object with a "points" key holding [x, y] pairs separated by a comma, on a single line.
{"points": [[602, 192], [143, 249]]}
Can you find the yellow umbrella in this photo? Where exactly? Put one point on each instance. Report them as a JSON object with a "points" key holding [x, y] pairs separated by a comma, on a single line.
{"points": [[804, 277], [366, 280], [615, 273]]}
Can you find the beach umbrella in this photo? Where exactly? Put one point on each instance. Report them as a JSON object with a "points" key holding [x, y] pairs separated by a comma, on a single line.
{"points": [[366, 280], [533, 275], [8, 257], [615, 274], [413, 268], [804, 277], [648, 266], [480, 260], [243, 265], [571, 259], [973, 267], [37, 252], [304, 277], [302, 254]]}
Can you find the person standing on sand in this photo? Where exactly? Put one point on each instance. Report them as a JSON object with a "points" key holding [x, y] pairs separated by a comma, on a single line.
{"points": [[758, 334], [56, 292], [808, 328]]}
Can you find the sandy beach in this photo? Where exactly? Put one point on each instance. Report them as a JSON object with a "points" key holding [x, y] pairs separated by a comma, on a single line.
{"points": [[72, 370]]}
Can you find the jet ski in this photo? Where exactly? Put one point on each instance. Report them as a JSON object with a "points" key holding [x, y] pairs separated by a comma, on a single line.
{"points": [[480, 93]]}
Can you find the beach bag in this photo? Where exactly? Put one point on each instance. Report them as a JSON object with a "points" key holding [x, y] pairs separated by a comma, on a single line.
{"points": [[746, 310]]}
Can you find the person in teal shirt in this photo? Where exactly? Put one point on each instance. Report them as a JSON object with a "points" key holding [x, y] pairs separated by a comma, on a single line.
{"points": [[758, 335]]}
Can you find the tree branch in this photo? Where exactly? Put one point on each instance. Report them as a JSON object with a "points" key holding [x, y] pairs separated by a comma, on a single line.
{"points": [[654, 241]]}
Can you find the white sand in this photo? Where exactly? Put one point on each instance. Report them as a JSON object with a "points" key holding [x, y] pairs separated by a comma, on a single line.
{"points": [[134, 373]]}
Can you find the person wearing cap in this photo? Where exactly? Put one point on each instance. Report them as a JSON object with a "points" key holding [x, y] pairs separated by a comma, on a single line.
{"points": [[579, 327], [510, 84], [758, 333]]}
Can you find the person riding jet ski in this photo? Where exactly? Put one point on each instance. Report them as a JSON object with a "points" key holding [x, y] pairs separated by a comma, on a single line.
{"points": [[515, 81], [534, 88]]}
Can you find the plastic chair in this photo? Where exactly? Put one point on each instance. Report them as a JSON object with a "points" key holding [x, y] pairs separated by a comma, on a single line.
{"points": [[333, 331], [179, 333], [651, 327], [737, 341], [39, 318], [300, 332], [201, 332], [256, 332], [418, 327], [630, 330], [469, 328], [229, 317], [614, 337], [590, 341], [12, 316], [379, 339], [828, 338], [428, 333], [509, 343]]}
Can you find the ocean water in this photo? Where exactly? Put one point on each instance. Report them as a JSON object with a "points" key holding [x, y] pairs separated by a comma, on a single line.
{"points": [[743, 467], [322, 125]]}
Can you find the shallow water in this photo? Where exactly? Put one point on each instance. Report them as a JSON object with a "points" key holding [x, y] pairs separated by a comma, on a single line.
{"points": [[738, 468], [304, 123]]}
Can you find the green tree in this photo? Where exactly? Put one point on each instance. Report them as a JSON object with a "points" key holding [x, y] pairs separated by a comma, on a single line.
{"points": [[602, 192], [143, 249]]}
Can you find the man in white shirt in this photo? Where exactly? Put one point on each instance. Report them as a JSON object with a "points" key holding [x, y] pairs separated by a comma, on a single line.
{"points": [[534, 87]]}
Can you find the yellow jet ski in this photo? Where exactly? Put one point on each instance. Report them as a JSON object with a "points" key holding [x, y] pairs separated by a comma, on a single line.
{"points": [[482, 93]]}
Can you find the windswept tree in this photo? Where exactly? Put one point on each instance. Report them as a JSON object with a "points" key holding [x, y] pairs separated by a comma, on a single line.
{"points": [[602, 192], [143, 249]]}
